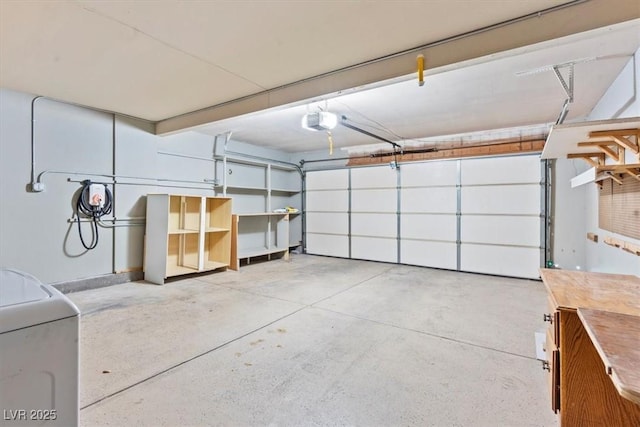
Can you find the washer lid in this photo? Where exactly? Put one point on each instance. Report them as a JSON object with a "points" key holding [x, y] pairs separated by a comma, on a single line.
{"points": [[26, 302], [17, 287]]}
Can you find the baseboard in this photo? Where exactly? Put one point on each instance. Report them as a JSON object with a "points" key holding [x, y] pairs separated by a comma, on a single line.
{"points": [[98, 282]]}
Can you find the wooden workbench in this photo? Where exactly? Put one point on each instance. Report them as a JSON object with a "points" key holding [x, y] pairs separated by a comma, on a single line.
{"points": [[616, 337], [592, 346]]}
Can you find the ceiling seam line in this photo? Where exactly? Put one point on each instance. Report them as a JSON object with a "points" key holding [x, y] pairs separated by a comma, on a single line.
{"points": [[88, 9], [446, 40]]}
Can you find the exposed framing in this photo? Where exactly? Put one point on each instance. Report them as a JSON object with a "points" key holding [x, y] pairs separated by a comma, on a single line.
{"points": [[496, 148]]}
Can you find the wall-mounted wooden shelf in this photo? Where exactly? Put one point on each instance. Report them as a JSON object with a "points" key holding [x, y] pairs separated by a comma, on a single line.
{"points": [[592, 140], [602, 144], [617, 172], [612, 148], [622, 244]]}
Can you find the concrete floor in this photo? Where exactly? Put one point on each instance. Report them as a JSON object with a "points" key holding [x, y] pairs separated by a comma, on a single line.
{"points": [[314, 341]]}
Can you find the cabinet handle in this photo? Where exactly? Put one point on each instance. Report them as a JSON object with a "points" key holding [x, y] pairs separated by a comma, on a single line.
{"points": [[546, 366], [547, 318]]}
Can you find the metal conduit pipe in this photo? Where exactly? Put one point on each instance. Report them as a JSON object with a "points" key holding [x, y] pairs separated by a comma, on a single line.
{"points": [[33, 184], [104, 175], [187, 156], [209, 186], [36, 181], [263, 159], [103, 224], [139, 219]]}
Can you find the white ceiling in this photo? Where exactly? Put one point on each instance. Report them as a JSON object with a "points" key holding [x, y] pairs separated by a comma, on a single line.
{"points": [[484, 95], [156, 60]]}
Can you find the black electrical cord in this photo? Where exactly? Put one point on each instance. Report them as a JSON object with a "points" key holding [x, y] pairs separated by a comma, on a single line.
{"points": [[84, 207]]}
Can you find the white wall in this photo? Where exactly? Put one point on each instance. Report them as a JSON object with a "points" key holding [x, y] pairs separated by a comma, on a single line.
{"points": [[620, 101], [35, 235], [569, 222]]}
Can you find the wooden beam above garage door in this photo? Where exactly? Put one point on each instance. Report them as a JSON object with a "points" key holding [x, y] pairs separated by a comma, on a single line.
{"points": [[490, 149]]}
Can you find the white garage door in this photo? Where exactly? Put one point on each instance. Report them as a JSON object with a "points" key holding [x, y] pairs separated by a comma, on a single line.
{"points": [[428, 214], [476, 215], [374, 214], [327, 213], [500, 221]]}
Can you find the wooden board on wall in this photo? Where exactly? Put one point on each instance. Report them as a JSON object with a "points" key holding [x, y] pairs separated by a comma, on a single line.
{"points": [[619, 207], [626, 205], [605, 206]]}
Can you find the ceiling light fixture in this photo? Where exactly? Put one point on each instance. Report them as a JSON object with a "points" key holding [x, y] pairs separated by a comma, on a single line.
{"points": [[322, 120]]}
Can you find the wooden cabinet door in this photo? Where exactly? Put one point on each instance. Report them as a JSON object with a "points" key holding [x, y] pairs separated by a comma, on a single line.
{"points": [[553, 376]]}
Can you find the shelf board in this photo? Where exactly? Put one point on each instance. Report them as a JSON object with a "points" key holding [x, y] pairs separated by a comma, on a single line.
{"points": [[216, 230], [274, 165], [262, 214], [586, 177], [564, 139], [177, 270], [619, 168], [183, 231], [285, 190], [241, 188], [260, 251], [212, 265]]}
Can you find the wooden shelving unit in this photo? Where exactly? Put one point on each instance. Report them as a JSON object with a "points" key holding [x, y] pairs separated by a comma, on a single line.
{"points": [[602, 144], [258, 235], [612, 148], [259, 188], [186, 234]]}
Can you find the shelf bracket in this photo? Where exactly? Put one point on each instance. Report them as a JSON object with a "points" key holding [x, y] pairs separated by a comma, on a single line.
{"points": [[594, 159], [615, 155], [608, 175], [607, 147], [634, 172]]}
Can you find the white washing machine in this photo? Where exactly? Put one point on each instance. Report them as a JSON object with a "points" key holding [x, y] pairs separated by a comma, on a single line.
{"points": [[38, 353]]}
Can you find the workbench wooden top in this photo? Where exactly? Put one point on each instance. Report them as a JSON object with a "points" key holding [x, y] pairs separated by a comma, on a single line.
{"points": [[616, 337], [570, 290]]}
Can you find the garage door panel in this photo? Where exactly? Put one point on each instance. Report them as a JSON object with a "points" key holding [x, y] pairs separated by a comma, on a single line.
{"points": [[428, 174], [327, 180], [374, 200], [501, 170], [509, 199], [383, 225], [334, 201], [500, 260], [374, 177], [428, 227], [429, 200], [374, 249], [332, 223], [497, 209], [325, 244], [428, 254], [507, 230]]}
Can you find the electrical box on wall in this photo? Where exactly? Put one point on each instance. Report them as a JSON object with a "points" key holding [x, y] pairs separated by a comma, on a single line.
{"points": [[97, 195]]}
